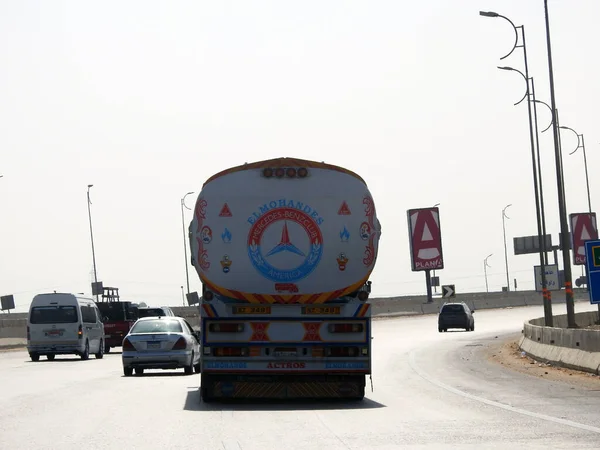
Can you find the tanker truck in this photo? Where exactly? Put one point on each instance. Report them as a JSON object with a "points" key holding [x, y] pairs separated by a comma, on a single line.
{"points": [[284, 249]]}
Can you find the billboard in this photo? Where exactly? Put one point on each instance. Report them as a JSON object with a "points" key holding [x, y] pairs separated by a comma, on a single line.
{"points": [[425, 238], [583, 228]]}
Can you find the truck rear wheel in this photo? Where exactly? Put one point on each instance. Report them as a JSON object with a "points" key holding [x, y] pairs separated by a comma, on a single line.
{"points": [[34, 357]]}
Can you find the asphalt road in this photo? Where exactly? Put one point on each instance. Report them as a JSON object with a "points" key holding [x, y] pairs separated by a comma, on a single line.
{"points": [[431, 390]]}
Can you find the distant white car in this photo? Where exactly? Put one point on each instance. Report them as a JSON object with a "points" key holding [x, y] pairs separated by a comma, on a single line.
{"points": [[164, 342]]}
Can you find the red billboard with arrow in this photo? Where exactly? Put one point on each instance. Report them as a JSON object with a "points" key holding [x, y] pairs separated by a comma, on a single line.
{"points": [[425, 239], [583, 228]]}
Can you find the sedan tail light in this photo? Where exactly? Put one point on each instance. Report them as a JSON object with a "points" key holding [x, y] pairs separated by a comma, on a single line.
{"points": [[127, 345], [181, 344]]}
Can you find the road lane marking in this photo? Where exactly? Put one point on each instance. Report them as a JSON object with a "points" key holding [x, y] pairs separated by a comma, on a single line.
{"points": [[570, 423]]}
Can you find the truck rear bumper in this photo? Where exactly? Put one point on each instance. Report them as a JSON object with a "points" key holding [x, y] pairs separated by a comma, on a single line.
{"points": [[282, 386]]}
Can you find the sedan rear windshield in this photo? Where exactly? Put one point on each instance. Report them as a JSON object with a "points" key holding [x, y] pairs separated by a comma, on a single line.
{"points": [[157, 326], [54, 314], [451, 309]]}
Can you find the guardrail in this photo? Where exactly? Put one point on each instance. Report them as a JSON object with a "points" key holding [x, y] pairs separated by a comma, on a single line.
{"points": [[575, 348]]}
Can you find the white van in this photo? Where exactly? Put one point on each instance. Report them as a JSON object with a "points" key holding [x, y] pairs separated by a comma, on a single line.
{"points": [[62, 324]]}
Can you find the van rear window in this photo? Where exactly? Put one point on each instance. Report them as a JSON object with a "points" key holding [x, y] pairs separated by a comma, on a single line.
{"points": [[53, 314]]}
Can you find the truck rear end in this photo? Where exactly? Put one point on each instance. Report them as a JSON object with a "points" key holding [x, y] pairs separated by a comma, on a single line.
{"points": [[285, 351], [284, 249]]}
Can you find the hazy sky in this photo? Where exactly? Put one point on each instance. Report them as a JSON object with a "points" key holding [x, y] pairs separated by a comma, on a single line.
{"points": [[147, 99]]}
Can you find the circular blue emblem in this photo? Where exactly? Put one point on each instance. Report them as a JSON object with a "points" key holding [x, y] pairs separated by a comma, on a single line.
{"points": [[283, 261]]}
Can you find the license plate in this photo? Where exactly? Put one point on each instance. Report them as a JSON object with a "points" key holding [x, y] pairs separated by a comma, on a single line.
{"points": [[153, 345]]}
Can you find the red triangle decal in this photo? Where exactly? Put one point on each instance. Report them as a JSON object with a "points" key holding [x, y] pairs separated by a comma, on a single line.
{"points": [[344, 210], [225, 211]]}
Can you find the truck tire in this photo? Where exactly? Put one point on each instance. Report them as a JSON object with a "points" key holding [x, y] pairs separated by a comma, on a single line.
{"points": [[35, 357], [205, 395]]}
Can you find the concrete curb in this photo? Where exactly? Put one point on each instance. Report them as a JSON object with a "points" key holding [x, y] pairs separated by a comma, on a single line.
{"points": [[570, 358]]}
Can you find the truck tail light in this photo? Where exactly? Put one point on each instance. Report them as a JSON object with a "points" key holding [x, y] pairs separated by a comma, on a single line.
{"points": [[226, 327], [341, 351], [363, 296], [230, 351], [127, 345], [80, 332], [345, 327]]}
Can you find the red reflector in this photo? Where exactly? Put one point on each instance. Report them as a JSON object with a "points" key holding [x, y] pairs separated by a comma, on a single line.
{"points": [[208, 295], [280, 172], [230, 351], [127, 345], [345, 327], [226, 327], [268, 172], [181, 344], [302, 172], [291, 172]]}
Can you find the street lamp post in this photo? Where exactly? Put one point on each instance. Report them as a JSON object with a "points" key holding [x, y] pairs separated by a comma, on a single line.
{"points": [[562, 203], [485, 266], [582, 146], [435, 287], [92, 236], [505, 251], [535, 164], [187, 276]]}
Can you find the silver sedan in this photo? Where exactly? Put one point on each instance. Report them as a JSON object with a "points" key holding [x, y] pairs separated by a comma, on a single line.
{"points": [[161, 343]]}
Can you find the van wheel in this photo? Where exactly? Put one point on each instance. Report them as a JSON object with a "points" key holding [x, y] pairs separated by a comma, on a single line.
{"points": [[100, 353], [50, 357], [127, 371], [35, 357], [86, 353]]}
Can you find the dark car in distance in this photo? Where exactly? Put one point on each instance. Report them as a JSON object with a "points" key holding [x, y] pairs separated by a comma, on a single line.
{"points": [[456, 315]]}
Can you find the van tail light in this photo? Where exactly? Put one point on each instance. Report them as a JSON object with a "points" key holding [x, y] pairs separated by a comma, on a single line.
{"points": [[341, 351], [226, 327], [230, 351], [181, 344], [127, 345], [28, 333], [345, 327], [80, 332]]}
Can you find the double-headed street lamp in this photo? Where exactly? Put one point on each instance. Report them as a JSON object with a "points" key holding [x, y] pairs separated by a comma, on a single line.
{"points": [[581, 144], [187, 277], [529, 94], [485, 266]]}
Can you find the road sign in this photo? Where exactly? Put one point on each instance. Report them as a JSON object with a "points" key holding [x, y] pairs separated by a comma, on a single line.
{"points": [[448, 291], [592, 263], [583, 229], [552, 280], [425, 239]]}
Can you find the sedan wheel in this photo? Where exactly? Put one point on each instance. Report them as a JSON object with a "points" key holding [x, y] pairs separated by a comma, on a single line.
{"points": [[127, 371]]}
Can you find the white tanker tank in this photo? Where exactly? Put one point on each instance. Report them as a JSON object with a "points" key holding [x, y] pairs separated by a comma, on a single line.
{"points": [[284, 231]]}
